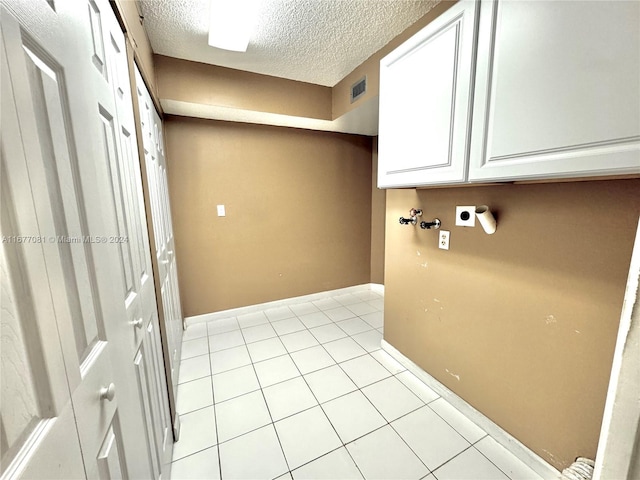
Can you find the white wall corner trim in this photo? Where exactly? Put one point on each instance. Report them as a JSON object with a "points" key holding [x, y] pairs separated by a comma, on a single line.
{"points": [[524, 454]]}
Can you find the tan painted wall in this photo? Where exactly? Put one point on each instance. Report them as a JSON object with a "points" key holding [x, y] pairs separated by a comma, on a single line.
{"points": [[378, 206], [341, 102], [298, 207], [199, 83], [128, 12], [527, 317]]}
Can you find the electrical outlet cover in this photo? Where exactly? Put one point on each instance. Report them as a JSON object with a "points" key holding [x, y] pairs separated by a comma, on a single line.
{"points": [[443, 239], [466, 216]]}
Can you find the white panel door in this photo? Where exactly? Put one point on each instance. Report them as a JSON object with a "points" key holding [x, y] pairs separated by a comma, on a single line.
{"points": [[557, 90], [58, 115], [425, 103], [156, 170], [68, 77], [146, 401], [37, 427]]}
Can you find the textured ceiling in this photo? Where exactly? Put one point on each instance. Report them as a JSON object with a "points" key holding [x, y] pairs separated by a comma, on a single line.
{"points": [[315, 41]]}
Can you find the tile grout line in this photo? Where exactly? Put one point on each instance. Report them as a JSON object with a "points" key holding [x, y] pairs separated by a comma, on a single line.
{"points": [[264, 398], [300, 375], [319, 404], [367, 353], [289, 353], [335, 398], [358, 388], [343, 445], [296, 316], [388, 423], [295, 351], [488, 459], [215, 416], [452, 426], [215, 420], [324, 455], [450, 460]]}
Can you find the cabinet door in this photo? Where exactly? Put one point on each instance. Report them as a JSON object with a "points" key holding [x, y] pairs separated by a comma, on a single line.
{"points": [[425, 97], [557, 90]]}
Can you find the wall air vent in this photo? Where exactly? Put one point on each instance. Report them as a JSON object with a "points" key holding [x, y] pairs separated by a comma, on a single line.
{"points": [[358, 89]]}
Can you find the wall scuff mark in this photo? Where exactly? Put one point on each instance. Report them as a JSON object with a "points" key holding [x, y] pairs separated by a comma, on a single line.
{"points": [[457, 377]]}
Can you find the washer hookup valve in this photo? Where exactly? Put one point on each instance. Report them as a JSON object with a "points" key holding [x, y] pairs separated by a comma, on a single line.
{"points": [[414, 213]]}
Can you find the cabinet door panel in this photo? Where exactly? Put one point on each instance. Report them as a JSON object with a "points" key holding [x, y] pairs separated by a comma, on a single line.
{"points": [[424, 103], [557, 90]]}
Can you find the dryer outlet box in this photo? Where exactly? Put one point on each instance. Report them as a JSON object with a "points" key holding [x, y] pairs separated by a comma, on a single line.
{"points": [[466, 216]]}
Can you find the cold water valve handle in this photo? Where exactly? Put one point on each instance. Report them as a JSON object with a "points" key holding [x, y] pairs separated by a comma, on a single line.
{"points": [[429, 225]]}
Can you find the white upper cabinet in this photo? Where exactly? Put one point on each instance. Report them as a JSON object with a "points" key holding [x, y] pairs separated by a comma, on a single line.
{"points": [[557, 90], [425, 103]]}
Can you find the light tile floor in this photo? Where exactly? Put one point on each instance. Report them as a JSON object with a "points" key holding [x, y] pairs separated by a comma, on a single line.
{"points": [[305, 392]]}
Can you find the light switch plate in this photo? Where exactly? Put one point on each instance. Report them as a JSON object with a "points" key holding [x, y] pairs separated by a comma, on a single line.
{"points": [[443, 239], [466, 216], [221, 211]]}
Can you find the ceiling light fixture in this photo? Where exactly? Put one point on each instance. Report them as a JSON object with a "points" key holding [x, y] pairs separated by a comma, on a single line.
{"points": [[232, 23]]}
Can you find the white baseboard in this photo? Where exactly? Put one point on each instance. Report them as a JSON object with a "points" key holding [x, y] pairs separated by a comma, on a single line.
{"points": [[234, 312], [527, 456]]}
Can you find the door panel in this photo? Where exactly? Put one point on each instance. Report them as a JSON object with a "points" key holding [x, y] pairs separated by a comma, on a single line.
{"points": [[19, 395], [37, 427], [95, 414], [110, 462], [553, 99], [425, 103], [434, 64], [155, 167], [119, 203], [150, 376], [97, 58], [61, 177], [139, 299], [161, 422]]}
